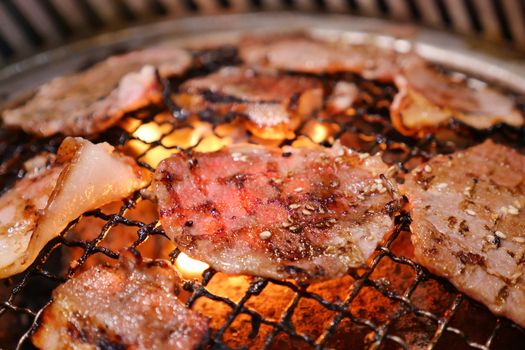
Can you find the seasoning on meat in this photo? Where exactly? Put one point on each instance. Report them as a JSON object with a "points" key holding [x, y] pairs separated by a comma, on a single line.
{"points": [[469, 224], [132, 305], [55, 191], [427, 100], [89, 102], [273, 105], [281, 213]]}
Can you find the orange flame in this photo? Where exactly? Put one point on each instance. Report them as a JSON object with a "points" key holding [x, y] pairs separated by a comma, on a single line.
{"points": [[190, 268]]}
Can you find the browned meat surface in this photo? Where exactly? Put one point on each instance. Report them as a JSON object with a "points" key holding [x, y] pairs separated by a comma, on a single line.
{"points": [[300, 53], [57, 190], [132, 305], [91, 101], [273, 105], [282, 213], [427, 100], [469, 224]]}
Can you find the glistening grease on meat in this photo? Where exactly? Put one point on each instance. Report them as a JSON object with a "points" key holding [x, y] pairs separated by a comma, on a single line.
{"points": [[273, 105], [281, 213], [55, 191], [91, 101], [469, 224], [132, 305]]}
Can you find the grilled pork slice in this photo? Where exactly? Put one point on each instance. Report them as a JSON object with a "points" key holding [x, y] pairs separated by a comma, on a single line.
{"points": [[301, 53], [281, 213], [132, 305], [273, 105], [91, 101], [427, 100], [469, 224], [55, 191], [20, 208]]}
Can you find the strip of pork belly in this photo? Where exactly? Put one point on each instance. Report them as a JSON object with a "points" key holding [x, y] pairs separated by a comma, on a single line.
{"points": [[57, 190], [132, 305], [427, 100], [469, 224], [274, 105], [91, 101], [300, 53], [22, 205], [282, 213]]}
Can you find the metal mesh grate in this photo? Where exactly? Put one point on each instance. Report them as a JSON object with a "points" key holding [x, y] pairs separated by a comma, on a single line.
{"points": [[394, 303]]}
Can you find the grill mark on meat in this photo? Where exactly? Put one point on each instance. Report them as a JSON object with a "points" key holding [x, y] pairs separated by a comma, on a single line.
{"points": [[306, 200], [238, 180], [424, 180], [192, 163], [215, 97], [503, 294], [452, 222], [463, 227], [98, 336], [468, 258]]}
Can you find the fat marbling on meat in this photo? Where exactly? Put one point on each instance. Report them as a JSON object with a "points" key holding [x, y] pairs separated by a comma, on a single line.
{"points": [[132, 305], [282, 213], [469, 223], [91, 101]]}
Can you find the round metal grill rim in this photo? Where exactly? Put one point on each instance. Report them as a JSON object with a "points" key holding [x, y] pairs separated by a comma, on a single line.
{"points": [[29, 26]]}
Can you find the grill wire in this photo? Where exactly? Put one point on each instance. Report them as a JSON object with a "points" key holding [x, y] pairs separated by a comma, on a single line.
{"points": [[367, 129]]}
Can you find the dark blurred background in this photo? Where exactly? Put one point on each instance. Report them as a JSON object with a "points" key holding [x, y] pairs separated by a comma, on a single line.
{"points": [[30, 26]]}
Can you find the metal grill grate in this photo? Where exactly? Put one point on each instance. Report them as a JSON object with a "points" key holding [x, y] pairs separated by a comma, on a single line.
{"points": [[394, 303]]}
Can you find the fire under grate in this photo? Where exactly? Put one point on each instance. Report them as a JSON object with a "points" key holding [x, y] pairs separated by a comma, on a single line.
{"points": [[394, 303]]}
